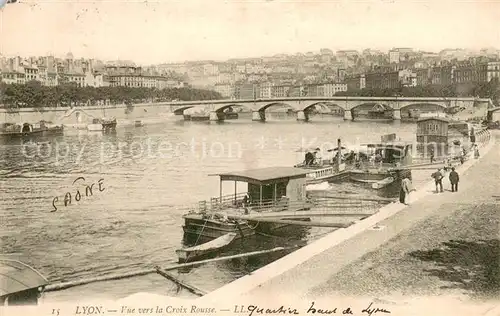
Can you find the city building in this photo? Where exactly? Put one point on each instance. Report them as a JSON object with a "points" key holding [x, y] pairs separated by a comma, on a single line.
{"points": [[226, 90], [443, 75], [355, 82], [330, 89], [266, 89], [280, 91], [247, 91]]}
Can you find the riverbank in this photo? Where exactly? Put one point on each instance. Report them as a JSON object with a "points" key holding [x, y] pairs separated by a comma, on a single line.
{"points": [[389, 254]]}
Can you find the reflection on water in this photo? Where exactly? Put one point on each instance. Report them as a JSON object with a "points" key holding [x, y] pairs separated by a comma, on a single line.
{"points": [[150, 174]]}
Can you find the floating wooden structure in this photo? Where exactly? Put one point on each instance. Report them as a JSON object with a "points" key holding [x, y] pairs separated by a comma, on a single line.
{"points": [[69, 284], [187, 254], [193, 289], [268, 190], [20, 284]]}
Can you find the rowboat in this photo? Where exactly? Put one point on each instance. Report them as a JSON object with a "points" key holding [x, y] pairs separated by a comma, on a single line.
{"points": [[382, 183], [20, 283], [191, 253]]}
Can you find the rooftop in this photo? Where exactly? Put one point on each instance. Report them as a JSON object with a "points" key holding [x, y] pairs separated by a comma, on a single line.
{"points": [[264, 174], [437, 118], [16, 277]]}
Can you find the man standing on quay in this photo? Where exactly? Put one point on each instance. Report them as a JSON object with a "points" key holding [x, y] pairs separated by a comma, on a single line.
{"points": [[438, 179], [454, 178], [406, 188]]}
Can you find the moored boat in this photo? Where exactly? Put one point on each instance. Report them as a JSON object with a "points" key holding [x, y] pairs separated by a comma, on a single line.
{"points": [[103, 124], [383, 183], [191, 253], [42, 128], [387, 160]]}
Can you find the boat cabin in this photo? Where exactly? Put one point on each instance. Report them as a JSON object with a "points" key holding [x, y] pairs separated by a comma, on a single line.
{"points": [[20, 283], [388, 154], [265, 186]]}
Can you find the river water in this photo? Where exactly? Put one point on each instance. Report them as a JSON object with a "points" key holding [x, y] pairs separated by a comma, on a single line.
{"points": [[149, 174]]}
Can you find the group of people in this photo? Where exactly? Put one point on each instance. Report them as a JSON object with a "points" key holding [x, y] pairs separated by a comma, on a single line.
{"points": [[311, 157], [407, 187], [439, 175]]}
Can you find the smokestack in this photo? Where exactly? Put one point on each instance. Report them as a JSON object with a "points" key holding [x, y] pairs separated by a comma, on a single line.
{"points": [[339, 153]]}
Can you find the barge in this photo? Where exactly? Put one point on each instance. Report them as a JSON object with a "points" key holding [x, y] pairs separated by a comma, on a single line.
{"points": [[26, 130], [377, 164]]}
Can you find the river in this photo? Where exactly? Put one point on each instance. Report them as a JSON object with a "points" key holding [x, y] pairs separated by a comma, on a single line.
{"points": [[149, 174]]}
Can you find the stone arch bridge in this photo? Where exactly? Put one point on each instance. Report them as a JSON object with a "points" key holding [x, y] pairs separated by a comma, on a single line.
{"points": [[303, 105]]}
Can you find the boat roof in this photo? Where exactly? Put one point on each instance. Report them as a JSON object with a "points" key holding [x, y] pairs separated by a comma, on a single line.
{"points": [[387, 145], [16, 276], [437, 118], [271, 174]]}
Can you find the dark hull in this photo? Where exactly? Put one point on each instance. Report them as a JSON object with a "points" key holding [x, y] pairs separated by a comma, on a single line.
{"points": [[107, 126], [214, 229], [211, 229], [231, 116], [378, 176], [40, 133]]}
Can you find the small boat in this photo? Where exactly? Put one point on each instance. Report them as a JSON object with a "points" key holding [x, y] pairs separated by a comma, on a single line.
{"points": [[138, 123], [231, 116], [199, 117], [191, 253], [389, 160], [382, 183], [103, 124], [42, 128], [20, 283]]}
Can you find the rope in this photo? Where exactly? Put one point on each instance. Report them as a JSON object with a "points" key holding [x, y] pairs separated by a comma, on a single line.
{"points": [[253, 228], [202, 229]]}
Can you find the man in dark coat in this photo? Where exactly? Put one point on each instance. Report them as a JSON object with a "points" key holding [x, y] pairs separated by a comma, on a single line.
{"points": [[454, 178]]}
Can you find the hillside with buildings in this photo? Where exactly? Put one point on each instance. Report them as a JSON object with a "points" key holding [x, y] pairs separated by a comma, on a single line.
{"points": [[323, 74]]}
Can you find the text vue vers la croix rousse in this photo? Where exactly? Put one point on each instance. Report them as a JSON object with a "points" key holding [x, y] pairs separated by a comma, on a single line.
{"points": [[250, 310], [89, 191]]}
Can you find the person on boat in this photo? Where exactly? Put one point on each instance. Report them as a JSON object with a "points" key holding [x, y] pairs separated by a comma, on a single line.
{"points": [[378, 159], [454, 178], [317, 156], [406, 189], [246, 198], [309, 159], [438, 179], [476, 151]]}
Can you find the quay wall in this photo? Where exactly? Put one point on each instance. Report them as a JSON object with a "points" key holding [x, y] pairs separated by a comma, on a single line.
{"points": [[259, 278], [76, 115]]}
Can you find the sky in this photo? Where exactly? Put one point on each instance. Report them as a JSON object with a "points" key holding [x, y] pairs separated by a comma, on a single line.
{"points": [[150, 32]]}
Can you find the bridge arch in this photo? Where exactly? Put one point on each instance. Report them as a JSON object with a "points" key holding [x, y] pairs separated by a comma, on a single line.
{"points": [[268, 105], [365, 106], [333, 106], [227, 106], [413, 110], [180, 111]]}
